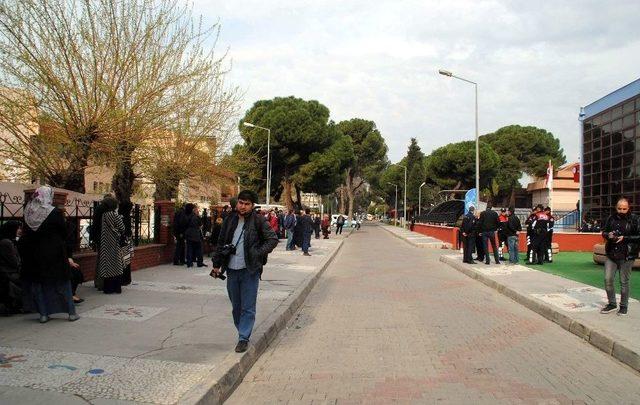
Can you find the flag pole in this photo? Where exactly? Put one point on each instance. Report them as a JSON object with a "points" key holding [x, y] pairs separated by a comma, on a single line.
{"points": [[550, 185]]}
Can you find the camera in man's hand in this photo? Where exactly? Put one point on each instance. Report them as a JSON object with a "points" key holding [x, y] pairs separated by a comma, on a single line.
{"points": [[214, 274], [228, 250]]}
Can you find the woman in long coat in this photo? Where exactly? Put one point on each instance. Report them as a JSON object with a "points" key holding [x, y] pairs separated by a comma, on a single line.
{"points": [[10, 286], [45, 267], [110, 262]]}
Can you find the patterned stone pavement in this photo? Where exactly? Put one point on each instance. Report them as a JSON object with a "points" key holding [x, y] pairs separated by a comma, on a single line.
{"points": [[152, 344], [390, 323]]}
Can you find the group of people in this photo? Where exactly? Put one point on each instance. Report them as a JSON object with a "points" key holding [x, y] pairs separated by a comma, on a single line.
{"points": [[37, 270], [479, 232], [299, 228]]}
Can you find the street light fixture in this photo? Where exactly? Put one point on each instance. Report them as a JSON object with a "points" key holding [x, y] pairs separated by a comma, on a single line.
{"points": [[250, 125], [420, 197], [449, 74], [395, 215]]}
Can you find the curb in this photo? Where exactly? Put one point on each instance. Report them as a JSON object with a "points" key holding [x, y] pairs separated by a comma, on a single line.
{"points": [[224, 379], [429, 245], [619, 349]]}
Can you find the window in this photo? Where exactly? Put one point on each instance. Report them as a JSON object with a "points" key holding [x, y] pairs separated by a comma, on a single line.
{"points": [[616, 113], [616, 125], [628, 107], [627, 121], [628, 146]]}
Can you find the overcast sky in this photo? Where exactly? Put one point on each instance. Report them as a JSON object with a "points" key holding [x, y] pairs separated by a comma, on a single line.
{"points": [[536, 62]]}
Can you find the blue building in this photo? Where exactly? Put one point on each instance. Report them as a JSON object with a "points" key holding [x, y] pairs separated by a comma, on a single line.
{"points": [[611, 152]]}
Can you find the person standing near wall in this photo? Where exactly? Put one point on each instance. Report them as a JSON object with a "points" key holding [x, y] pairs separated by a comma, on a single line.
{"points": [[179, 226], [622, 235], [467, 231]]}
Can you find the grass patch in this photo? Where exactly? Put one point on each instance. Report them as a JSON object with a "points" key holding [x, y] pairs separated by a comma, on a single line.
{"points": [[579, 266]]}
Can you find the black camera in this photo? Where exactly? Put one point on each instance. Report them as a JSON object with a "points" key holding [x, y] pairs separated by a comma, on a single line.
{"points": [[220, 276], [228, 250]]}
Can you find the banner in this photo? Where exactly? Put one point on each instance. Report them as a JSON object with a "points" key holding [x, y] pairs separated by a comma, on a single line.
{"points": [[549, 179], [470, 199]]}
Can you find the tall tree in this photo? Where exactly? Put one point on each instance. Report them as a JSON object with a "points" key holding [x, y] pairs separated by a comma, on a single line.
{"points": [[370, 155], [298, 127], [523, 150], [452, 167], [415, 172]]}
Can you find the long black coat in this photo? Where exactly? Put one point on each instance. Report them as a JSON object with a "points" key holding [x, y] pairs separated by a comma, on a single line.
{"points": [[44, 252]]}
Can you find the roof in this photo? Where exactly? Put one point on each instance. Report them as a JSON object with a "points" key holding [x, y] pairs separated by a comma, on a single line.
{"points": [[616, 97]]}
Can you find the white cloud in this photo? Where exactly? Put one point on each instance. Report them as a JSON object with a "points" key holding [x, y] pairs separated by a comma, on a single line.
{"points": [[536, 62]]}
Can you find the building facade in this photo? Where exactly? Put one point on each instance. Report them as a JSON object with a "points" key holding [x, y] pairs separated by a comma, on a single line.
{"points": [[611, 152], [565, 193]]}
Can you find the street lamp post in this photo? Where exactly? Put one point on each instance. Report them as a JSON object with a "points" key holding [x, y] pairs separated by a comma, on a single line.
{"points": [[395, 215], [404, 223], [250, 125], [420, 197], [449, 74]]}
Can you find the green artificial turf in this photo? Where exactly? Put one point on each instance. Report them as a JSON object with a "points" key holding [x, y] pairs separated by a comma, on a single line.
{"points": [[579, 266]]}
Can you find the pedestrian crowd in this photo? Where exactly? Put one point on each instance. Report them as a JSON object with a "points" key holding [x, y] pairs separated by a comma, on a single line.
{"points": [[621, 232]]}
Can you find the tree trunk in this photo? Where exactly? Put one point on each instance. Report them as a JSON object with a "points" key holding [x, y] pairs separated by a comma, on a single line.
{"points": [[299, 197], [122, 183], [350, 194], [342, 197], [288, 201], [512, 198]]}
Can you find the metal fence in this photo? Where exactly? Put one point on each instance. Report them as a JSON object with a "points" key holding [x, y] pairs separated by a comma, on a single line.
{"points": [[145, 220]]}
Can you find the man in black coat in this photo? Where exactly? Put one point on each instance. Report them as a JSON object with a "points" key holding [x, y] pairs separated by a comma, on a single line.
{"points": [[307, 230], [489, 224], [179, 226], [468, 230], [244, 243]]}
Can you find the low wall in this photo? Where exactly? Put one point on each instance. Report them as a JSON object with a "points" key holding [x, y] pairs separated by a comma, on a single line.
{"points": [[446, 234], [567, 242], [143, 257]]}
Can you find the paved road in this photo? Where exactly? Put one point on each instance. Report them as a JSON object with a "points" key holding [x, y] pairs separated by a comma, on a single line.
{"points": [[388, 322]]}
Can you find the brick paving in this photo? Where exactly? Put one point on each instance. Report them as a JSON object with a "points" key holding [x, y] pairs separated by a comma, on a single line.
{"points": [[389, 323]]}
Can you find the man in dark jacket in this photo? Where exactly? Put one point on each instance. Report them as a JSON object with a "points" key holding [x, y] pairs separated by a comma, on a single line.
{"points": [[179, 226], [540, 227], [511, 229], [531, 219], [193, 235], [307, 230], [622, 233], [251, 239], [489, 224], [468, 235], [290, 222]]}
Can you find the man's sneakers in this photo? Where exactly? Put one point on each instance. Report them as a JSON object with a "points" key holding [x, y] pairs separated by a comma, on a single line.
{"points": [[610, 308], [622, 311], [242, 346]]}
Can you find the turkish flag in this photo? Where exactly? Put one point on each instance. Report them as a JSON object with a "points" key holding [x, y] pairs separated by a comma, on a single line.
{"points": [[576, 173]]}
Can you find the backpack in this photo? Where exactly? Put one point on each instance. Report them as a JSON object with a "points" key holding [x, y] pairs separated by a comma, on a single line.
{"points": [[340, 220]]}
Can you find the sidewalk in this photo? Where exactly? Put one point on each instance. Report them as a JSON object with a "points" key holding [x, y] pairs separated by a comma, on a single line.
{"points": [[416, 239], [573, 305], [168, 338]]}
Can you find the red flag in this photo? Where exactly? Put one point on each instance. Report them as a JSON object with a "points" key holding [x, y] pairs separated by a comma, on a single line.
{"points": [[576, 173]]}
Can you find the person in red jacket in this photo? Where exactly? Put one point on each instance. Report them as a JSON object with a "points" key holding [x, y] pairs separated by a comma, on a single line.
{"points": [[502, 237], [272, 218]]}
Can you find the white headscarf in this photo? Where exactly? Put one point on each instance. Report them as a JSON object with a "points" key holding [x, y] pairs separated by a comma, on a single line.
{"points": [[39, 208]]}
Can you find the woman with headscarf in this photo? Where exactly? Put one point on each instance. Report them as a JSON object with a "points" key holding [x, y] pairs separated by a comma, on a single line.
{"points": [[10, 286], [45, 267], [110, 263]]}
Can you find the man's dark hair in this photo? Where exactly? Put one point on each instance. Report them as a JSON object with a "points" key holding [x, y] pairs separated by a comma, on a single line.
{"points": [[188, 208], [248, 195], [511, 209], [307, 211], [540, 207], [489, 206], [547, 208]]}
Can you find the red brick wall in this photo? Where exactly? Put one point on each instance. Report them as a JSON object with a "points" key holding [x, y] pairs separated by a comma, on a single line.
{"points": [[567, 242], [143, 257], [444, 233]]}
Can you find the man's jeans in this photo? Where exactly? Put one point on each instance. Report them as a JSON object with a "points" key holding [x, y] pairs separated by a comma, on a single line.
{"points": [[194, 252], [306, 242], [512, 243], [290, 239], [242, 287], [486, 238], [610, 268], [178, 255]]}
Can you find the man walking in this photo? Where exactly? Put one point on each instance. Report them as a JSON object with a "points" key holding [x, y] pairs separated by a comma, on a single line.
{"points": [[511, 229], [622, 233], [290, 222], [339, 224], [245, 241], [489, 224], [307, 230], [468, 235]]}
